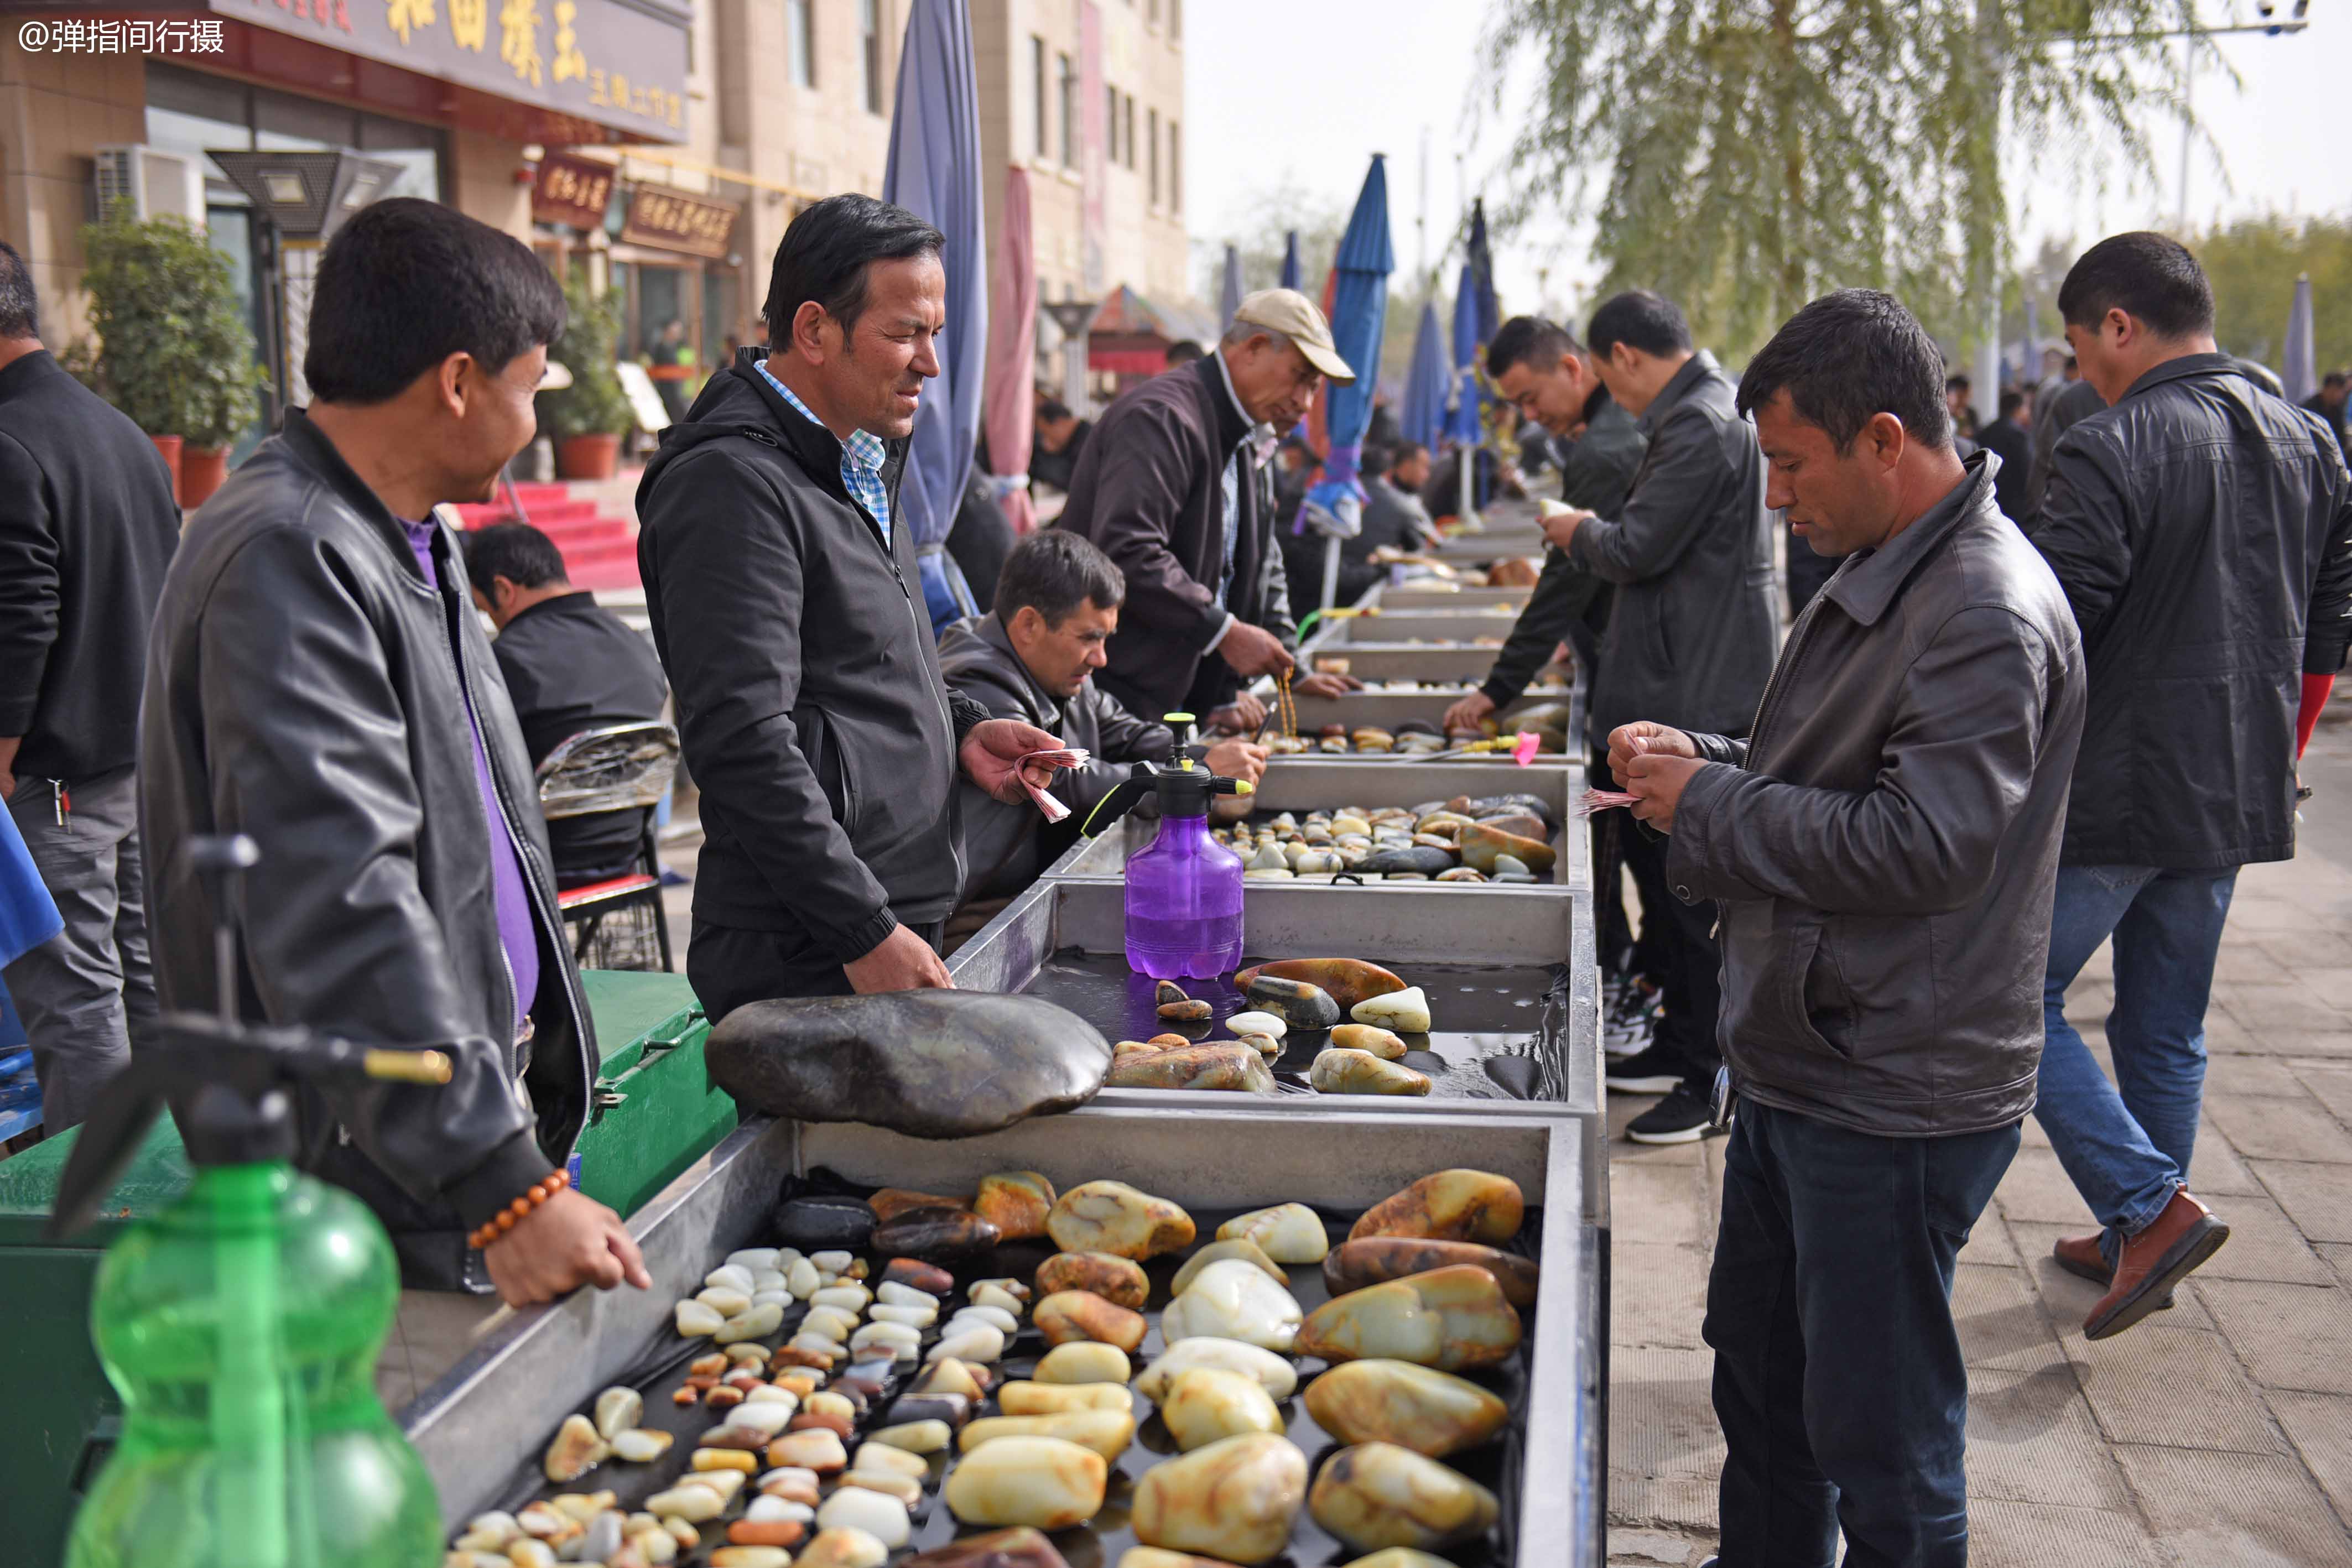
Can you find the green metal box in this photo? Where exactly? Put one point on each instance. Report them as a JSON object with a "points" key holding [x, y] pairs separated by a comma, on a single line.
{"points": [[654, 1113]]}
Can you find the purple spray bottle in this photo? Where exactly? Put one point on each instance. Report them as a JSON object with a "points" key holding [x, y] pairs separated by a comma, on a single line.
{"points": [[1183, 889]]}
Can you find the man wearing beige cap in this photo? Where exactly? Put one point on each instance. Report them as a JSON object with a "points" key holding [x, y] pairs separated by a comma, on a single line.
{"points": [[1168, 489]]}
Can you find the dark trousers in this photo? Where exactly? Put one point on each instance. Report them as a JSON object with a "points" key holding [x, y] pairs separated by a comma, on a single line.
{"points": [[1838, 1380], [1683, 958], [728, 966]]}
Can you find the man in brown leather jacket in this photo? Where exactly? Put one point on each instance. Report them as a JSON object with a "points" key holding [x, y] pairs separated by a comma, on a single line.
{"points": [[1884, 848]]}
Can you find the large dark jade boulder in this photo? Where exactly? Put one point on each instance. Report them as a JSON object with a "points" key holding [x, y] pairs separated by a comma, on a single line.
{"points": [[931, 1064]]}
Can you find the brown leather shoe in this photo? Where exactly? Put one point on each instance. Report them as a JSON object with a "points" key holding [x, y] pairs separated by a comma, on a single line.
{"points": [[2184, 1235], [2080, 1256]]}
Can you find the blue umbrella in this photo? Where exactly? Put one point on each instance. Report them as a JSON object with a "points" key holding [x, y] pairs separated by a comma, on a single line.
{"points": [[934, 171], [1426, 384], [1291, 271], [1229, 300], [1359, 305], [2299, 366], [28, 916]]}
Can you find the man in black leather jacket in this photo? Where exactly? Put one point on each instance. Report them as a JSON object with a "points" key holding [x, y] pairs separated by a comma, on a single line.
{"points": [[1690, 641], [318, 679], [1883, 849], [2202, 530], [1033, 658], [815, 720]]}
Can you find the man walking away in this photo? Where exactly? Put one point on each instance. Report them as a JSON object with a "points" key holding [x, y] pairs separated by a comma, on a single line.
{"points": [[810, 702], [570, 665], [1690, 642], [1881, 847], [2202, 532], [1551, 380], [86, 531], [2008, 439]]}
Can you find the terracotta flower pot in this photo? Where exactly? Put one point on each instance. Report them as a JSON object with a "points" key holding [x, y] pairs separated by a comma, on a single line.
{"points": [[169, 446], [203, 470], [587, 457]]}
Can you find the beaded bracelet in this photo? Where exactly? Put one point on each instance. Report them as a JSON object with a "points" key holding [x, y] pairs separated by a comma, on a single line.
{"points": [[547, 1187]]}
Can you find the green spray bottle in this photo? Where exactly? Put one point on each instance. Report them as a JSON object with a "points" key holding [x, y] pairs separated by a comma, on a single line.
{"points": [[241, 1326]]}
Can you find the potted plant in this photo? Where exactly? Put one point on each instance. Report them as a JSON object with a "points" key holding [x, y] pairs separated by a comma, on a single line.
{"points": [[220, 405], [586, 419], [172, 340]]}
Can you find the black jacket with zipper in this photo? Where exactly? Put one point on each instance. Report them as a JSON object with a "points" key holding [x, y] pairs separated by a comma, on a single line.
{"points": [[2202, 530], [1883, 849], [1695, 620], [1570, 604], [810, 703], [302, 689]]}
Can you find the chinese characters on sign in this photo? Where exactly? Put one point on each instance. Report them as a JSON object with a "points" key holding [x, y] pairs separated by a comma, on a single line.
{"points": [[574, 191], [618, 63], [675, 220]]}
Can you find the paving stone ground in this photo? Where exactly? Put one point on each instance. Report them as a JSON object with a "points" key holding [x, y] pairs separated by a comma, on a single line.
{"points": [[2218, 1435]]}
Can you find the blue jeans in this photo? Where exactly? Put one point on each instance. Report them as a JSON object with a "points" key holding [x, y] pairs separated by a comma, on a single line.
{"points": [[1838, 1378], [2127, 1152]]}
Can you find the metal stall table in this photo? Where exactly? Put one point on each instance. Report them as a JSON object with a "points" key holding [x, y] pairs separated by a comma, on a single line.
{"points": [[482, 1429], [1510, 975], [1308, 782]]}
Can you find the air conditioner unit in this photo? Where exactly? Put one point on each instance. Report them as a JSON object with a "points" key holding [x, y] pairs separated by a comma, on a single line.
{"points": [[157, 184]]}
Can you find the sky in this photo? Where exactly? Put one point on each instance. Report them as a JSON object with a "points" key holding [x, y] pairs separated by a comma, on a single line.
{"points": [[1306, 90]]}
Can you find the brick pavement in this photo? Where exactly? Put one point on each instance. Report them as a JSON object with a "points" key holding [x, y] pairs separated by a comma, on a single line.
{"points": [[2218, 1435]]}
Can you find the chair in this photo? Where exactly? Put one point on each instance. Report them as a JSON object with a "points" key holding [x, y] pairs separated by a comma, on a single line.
{"points": [[618, 923]]}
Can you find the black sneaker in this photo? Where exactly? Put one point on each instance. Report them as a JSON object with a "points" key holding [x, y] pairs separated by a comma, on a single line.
{"points": [[1682, 1118], [1654, 1071]]}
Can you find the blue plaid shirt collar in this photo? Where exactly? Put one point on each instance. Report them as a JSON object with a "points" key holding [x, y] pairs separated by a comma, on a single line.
{"points": [[861, 457]]}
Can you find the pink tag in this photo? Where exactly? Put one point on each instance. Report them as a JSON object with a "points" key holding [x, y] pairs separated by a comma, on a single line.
{"points": [[1529, 744]]}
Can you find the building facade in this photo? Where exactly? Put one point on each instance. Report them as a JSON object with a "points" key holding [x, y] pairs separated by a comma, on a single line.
{"points": [[454, 93], [657, 148]]}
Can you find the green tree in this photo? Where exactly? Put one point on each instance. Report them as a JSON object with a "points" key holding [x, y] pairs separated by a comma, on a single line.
{"points": [[1743, 156], [594, 403], [2253, 264]]}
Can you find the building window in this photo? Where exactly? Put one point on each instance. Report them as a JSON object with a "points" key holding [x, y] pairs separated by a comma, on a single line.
{"points": [[1175, 167], [800, 42], [1069, 114], [1037, 89], [1175, 19], [870, 30], [1128, 135], [1151, 129], [1154, 13], [1110, 128]]}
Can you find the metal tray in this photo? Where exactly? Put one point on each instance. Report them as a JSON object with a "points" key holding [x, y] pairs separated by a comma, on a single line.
{"points": [[485, 1424], [1311, 783], [1423, 626], [1512, 983], [1386, 710], [1461, 664], [1418, 595]]}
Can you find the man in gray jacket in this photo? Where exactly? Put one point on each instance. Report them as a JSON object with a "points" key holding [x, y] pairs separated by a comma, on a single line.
{"points": [[1033, 658], [1690, 641], [1883, 848]]}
